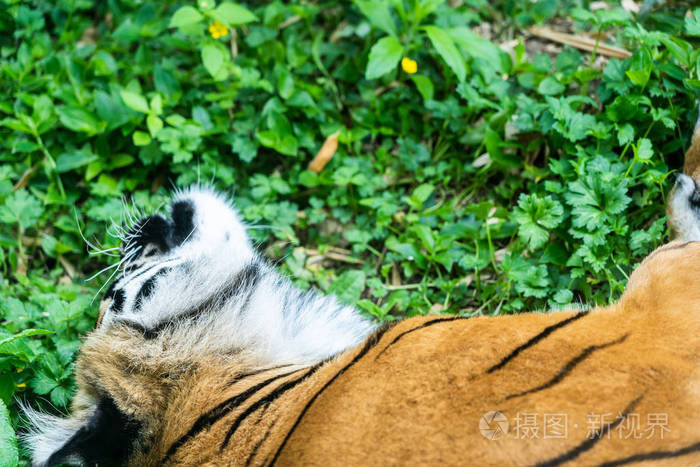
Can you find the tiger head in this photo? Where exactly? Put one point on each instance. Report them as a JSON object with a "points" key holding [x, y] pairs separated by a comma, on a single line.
{"points": [[187, 255], [190, 293]]}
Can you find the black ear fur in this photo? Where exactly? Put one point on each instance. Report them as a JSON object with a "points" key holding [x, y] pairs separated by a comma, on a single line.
{"points": [[106, 439]]}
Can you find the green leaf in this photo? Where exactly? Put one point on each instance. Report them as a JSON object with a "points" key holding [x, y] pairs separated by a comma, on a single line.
{"points": [[156, 105], [72, 160], [616, 16], [383, 57], [134, 101], [166, 83], [640, 68], [184, 16], [378, 14], [422, 192], [550, 86], [61, 396], [598, 197], [22, 208], [425, 7], [494, 146], [424, 85], [680, 49], [8, 439], [536, 217], [625, 134], [232, 14], [79, 119], [563, 296], [154, 124], [213, 58], [639, 77], [285, 84], [643, 151], [478, 47], [692, 23], [43, 382], [530, 280], [425, 235], [445, 46], [25, 333], [348, 286], [141, 139], [584, 16]]}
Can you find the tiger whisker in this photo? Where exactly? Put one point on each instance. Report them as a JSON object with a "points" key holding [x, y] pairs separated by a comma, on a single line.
{"points": [[188, 235], [262, 227], [115, 265], [106, 252], [126, 258], [80, 231], [111, 266]]}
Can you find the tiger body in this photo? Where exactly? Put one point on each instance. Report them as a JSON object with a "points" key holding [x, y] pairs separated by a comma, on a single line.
{"points": [[204, 355], [414, 392]]}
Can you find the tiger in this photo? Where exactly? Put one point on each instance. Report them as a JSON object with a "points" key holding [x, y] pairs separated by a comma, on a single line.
{"points": [[204, 355]]}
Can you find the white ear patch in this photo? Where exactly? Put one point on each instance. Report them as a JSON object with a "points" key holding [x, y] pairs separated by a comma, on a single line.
{"points": [[203, 278], [684, 209]]}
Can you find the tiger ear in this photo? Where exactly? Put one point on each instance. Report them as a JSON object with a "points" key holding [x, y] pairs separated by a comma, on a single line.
{"points": [[692, 155], [106, 438]]}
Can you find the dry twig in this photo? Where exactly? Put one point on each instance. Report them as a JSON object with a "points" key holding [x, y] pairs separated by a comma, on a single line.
{"points": [[580, 42]]}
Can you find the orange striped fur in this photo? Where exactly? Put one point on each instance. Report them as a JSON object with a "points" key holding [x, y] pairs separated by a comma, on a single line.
{"points": [[415, 392], [621, 382]]}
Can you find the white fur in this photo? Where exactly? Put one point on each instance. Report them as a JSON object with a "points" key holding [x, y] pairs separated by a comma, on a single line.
{"points": [[684, 217], [312, 328]]}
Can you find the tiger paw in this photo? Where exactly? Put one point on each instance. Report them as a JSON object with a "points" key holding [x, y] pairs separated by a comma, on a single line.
{"points": [[683, 210]]}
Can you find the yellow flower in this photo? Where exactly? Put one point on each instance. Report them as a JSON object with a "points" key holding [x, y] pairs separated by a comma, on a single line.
{"points": [[22, 385], [408, 65], [20, 370], [217, 29]]}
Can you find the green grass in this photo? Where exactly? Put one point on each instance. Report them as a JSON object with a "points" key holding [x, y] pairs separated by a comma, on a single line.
{"points": [[490, 181]]}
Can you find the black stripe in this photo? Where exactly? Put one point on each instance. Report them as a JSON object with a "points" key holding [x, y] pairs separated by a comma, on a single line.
{"points": [[145, 271], [254, 451], [653, 456], [271, 397], [248, 374], [248, 277], [147, 287], [251, 281], [213, 415], [110, 290], [182, 213], [369, 344], [118, 302], [424, 325], [568, 368], [590, 442], [534, 340], [669, 248]]}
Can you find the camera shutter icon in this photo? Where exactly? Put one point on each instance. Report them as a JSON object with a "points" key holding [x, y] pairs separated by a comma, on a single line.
{"points": [[493, 425]]}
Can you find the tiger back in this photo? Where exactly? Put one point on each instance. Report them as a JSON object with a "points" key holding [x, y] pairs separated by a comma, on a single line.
{"points": [[203, 355], [417, 392]]}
